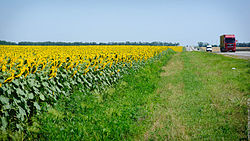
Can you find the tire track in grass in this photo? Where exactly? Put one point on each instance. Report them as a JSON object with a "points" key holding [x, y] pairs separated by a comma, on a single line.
{"points": [[167, 124]]}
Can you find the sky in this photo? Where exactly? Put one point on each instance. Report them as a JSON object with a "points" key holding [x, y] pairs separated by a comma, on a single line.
{"points": [[183, 21]]}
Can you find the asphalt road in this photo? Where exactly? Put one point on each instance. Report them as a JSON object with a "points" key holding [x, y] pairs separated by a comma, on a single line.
{"points": [[190, 48], [238, 54]]}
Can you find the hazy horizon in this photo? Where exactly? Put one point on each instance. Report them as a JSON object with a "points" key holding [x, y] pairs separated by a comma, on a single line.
{"points": [[186, 22]]}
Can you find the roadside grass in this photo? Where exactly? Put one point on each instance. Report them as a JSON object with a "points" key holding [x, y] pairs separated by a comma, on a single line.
{"points": [[201, 98], [226, 82], [118, 113]]}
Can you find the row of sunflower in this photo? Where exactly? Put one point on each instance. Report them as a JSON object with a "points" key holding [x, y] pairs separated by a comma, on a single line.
{"points": [[34, 76]]}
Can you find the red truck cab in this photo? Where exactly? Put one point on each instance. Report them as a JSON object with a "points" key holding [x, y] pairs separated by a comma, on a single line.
{"points": [[227, 43]]}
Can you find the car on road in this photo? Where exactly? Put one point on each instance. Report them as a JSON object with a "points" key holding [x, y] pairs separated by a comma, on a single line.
{"points": [[209, 48]]}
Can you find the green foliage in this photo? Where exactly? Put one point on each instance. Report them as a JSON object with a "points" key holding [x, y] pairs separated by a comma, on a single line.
{"points": [[115, 113], [243, 44], [202, 44], [23, 98], [7, 43]]}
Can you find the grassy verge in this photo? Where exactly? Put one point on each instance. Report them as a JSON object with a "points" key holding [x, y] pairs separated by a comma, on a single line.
{"points": [[118, 113], [201, 97]]}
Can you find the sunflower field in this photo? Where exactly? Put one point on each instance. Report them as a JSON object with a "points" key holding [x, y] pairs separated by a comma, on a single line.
{"points": [[32, 77]]}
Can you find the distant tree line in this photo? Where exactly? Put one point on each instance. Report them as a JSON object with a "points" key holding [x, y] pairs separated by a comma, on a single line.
{"points": [[89, 43], [7, 43], [243, 44], [204, 44]]}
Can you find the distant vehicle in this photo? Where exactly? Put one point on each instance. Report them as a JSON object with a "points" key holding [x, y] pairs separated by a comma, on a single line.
{"points": [[209, 48], [227, 43]]}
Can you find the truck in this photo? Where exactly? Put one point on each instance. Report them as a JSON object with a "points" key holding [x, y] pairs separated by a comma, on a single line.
{"points": [[227, 43]]}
